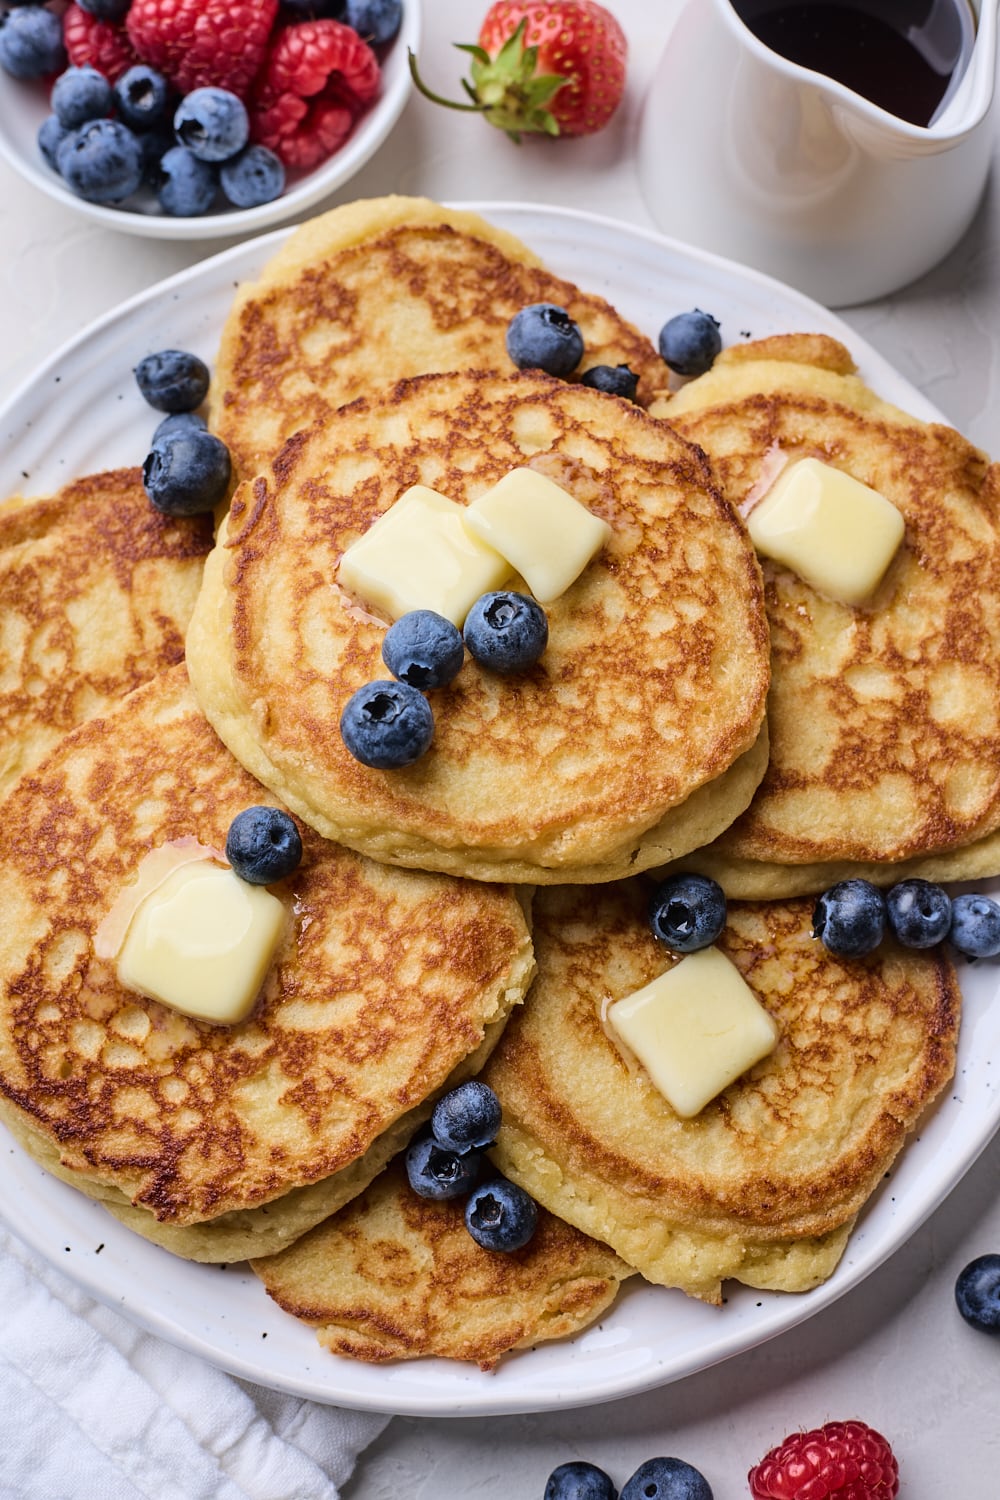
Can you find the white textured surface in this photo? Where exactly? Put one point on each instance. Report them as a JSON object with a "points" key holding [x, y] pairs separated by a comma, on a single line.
{"points": [[893, 1350]]}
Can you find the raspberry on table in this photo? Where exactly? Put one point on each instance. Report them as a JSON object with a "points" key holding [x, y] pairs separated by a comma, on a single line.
{"points": [[840, 1461], [317, 78], [196, 42]]}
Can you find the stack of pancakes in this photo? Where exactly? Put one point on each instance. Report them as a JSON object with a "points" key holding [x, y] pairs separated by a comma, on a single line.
{"points": [[502, 874]]}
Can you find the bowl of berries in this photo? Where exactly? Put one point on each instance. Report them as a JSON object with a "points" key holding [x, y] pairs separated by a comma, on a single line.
{"points": [[196, 119]]}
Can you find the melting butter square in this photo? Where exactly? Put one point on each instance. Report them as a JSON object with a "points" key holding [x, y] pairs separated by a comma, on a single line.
{"points": [[420, 555], [202, 942], [695, 1029], [544, 533], [838, 534]]}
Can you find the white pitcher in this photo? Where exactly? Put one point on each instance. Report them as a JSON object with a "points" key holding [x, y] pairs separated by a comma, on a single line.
{"points": [[747, 154]]}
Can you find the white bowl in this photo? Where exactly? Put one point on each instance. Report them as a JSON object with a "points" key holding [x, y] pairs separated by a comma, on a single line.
{"points": [[24, 105]]}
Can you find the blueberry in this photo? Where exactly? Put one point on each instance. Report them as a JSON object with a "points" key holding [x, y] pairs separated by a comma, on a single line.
{"points": [[178, 421], [31, 43], [467, 1118], [213, 123], [263, 844], [850, 918], [155, 144], [435, 1171], [106, 10], [918, 912], [186, 473], [666, 1479], [501, 1216], [975, 926], [51, 134], [172, 380], [185, 186], [377, 21], [615, 380], [977, 1293], [142, 98], [387, 725], [689, 342], [579, 1481], [506, 632], [255, 176], [79, 95], [544, 337], [101, 162], [687, 912], [423, 649]]}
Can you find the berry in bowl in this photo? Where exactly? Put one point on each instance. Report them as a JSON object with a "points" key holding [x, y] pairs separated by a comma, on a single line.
{"points": [[191, 119]]}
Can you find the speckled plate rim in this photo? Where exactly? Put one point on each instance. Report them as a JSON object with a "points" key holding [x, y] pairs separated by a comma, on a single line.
{"points": [[23, 107], [80, 412]]}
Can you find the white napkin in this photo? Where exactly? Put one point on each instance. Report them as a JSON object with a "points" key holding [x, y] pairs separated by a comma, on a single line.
{"points": [[93, 1408]]}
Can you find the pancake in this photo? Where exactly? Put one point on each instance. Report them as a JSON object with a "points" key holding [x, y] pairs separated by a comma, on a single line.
{"points": [[559, 774], [222, 1140], [374, 291], [762, 1185], [884, 719], [96, 589], [395, 1276]]}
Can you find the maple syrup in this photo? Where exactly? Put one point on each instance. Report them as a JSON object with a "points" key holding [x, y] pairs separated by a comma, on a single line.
{"points": [[906, 56]]}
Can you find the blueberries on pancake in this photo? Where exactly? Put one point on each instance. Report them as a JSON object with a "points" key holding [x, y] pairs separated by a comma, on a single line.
{"points": [[614, 380], [918, 912], [849, 918], [435, 1171], [506, 632], [466, 1118], [186, 472], [263, 844], [423, 649], [387, 725], [687, 912], [690, 342], [543, 336], [501, 1216]]}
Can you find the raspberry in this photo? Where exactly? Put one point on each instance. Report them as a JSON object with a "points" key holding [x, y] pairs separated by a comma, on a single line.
{"points": [[317, 78], [841, 1461], [199, 42], [102, 44]]}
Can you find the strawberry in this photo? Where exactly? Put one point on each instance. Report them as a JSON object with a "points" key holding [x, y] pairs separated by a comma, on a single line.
{"points": [[550, 66], [318, 76], [197, 42], [841, 1461], [102, 44]]}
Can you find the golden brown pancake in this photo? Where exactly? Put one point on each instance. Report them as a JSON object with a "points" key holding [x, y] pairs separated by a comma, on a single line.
{"points": [[884, 719], [395, 1276], [636, 731], [96, 589], [764, 1183], [374, 291], [227, 1139]]}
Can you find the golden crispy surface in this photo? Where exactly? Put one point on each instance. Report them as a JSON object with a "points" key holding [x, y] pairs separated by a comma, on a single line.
{"points": [[96, 589], [385, 982], [763, 1185], [884, 720], [652, 685], [394, 1276], [374, 291]]}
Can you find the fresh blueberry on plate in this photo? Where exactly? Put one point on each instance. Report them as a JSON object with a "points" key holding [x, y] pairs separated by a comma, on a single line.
{"points": [[687, 912], [975, 926], [387, 725], [172, 380], [918, 912], [101, 162], [142, 97], [186, 473], [543, 336], [849, 918], [253, 177], [467, 1118], [376, 21], [501, 1216], [506, 632], [690, 342], [31, 43], [79, 95], [186, 187], [213, 123], [263, 844]]}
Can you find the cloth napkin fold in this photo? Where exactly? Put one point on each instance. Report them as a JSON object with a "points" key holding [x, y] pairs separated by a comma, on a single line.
{"points": [[94, 1408]]}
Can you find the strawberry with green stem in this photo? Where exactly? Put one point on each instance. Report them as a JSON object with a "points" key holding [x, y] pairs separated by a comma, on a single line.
{"points": [[553, 67]]}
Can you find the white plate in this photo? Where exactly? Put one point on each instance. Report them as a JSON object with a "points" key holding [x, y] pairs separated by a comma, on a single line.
{"points": [[82, 412], [24, 105]]}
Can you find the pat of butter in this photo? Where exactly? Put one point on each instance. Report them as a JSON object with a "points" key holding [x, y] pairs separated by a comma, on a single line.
{"points": [[202, 942], [544, 533], [695, 1029], [420, 555], [838, 534]]}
